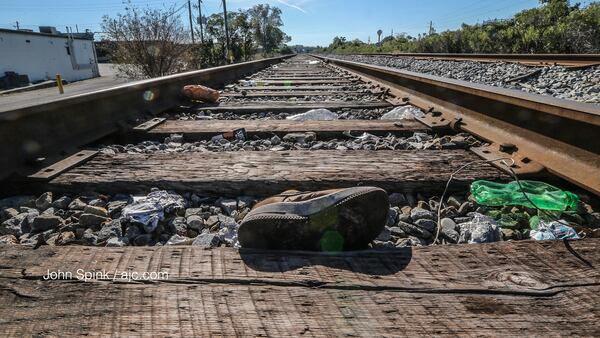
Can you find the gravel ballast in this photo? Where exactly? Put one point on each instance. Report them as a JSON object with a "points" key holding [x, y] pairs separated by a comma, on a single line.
{"points": [[192, 219], [297, 141], [343, 114], [581, 85]]}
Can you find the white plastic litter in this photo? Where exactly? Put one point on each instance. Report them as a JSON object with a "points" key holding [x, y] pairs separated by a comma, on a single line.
{"points": [[553, 230], [481, 229], [320, 114], [248, 83], [403, 113], [150, 209], [313, 62], [362, 137]]}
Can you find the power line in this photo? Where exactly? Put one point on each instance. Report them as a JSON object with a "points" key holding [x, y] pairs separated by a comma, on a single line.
{"points": [[471, 6], [178, 10], [490, 8], [86, 7], [96, 24]]}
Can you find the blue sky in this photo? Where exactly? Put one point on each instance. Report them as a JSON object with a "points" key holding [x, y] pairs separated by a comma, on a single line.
{"points": [[308, 22]]}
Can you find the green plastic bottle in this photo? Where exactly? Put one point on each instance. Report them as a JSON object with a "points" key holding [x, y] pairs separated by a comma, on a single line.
{"points": [[543, 195]]}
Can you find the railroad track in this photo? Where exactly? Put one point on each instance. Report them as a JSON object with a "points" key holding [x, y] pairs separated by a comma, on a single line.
{"points": [[565, 60], [96, 148]]}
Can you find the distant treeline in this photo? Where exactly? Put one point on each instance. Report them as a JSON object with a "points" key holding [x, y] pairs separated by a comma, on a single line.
{"points": [[555, 26]]}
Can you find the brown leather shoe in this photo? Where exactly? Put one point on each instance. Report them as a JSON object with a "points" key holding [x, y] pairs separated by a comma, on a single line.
{"points": [[328, 220]]}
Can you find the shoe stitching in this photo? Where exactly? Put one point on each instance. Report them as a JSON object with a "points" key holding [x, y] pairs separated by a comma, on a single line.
{"points": [[358, 194], [292, 216], [272, 216]]}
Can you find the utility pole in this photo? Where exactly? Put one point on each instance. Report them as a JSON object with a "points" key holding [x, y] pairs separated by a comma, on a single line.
{"points": [[226, 32], [191, 24], [200, 20]]}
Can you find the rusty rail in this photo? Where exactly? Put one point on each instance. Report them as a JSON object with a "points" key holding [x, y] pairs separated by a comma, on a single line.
{"points": [[539, 132], [61, 126], [567, 60]]}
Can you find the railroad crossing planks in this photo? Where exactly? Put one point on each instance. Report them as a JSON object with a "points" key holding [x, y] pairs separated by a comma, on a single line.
{"points": [[500, 289], [269, 172], [194, 130]]}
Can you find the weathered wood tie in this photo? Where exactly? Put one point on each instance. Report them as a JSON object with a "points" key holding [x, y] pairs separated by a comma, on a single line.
{"points": [[300, 82], [294, 73], [496, 289], [293, 88], [195, 130], [284, 107], [262, 173], [298, 93], [295, 78]]}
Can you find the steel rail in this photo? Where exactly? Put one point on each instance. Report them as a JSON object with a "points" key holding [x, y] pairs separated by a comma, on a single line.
{"points": [[538, 131], [567, 60], [61, 126]]}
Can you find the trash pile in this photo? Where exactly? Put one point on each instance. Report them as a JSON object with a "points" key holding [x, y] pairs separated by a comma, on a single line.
{"points": [[490, 212], [544, 202]]}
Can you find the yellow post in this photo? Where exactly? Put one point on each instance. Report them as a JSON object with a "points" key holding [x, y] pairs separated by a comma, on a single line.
{"points": [[59, 84]]}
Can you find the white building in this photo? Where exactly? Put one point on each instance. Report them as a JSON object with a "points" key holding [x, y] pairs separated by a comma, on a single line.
{"points": [[41, 56]]}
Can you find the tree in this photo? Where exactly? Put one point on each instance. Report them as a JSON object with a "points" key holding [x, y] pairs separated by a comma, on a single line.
{"points": [[147, 42], [242, 36], [266, 22], [338, 42], [553, 27], [215, 31]]}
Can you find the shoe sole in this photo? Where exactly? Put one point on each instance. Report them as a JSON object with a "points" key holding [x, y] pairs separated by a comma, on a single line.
{"points": [[346, 220]]}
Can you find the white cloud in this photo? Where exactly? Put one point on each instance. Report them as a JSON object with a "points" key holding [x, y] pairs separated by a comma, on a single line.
{"points": [[295, 4], [292, 5]]}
